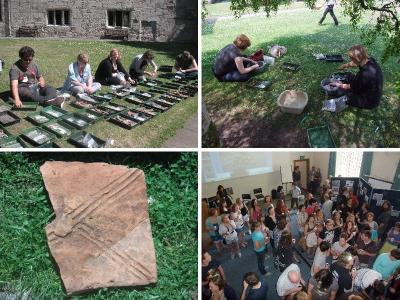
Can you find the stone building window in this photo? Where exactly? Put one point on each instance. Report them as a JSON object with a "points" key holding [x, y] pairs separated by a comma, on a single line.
{"points": [[118, 18], [58, 17], [1, 10]]}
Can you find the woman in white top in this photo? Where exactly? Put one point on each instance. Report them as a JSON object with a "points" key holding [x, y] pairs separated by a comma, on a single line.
{"points": [[319, 263], [340, 246], [237, 217], [227, 231], [302, 219], [140, 63]]}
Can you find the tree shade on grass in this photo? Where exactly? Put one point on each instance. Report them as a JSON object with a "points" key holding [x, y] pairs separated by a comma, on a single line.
{"points": [[53, 58], [25, 209], [248, 117]]}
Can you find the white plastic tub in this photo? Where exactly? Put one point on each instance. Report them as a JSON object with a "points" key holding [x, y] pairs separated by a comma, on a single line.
{"points": [[292, 101]]}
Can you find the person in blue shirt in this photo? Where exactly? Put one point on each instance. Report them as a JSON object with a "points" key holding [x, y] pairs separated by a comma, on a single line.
{"points": [[79, 79], [387, 263], [258, 239]]}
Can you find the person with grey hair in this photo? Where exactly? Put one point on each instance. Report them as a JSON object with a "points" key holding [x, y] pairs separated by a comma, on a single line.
{"points": [[290, 282]]}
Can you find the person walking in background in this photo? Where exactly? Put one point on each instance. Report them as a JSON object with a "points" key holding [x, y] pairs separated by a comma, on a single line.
{"points": [[329, 5], [296, 176]]}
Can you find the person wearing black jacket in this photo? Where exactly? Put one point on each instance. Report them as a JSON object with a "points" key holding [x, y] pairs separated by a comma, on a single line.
{"points": [[364, 89], [111, 72]]}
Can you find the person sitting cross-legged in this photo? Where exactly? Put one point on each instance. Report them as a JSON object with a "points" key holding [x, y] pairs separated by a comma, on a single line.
{"points": [[79, 79], [231, 65], [28, 84]]}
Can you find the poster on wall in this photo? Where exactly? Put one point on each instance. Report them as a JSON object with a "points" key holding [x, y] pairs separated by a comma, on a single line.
{"points": [[335, 183], [335, 190], [349, 183], [395, 213]]}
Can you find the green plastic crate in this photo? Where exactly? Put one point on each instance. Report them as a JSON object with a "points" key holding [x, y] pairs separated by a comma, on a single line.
{"points": [[320, 137]]}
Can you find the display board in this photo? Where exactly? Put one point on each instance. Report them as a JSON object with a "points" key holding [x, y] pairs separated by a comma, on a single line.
{"points": [[364, 191], [378, 196]]}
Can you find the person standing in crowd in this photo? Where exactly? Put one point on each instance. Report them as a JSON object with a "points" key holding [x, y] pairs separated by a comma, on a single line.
{"points": [[329, 5], [212, 226], [79, 79], [366, 249], [343, 273], [393, 239], [387, 263], [223, 195], [393, 290], [277, 233], [270, 221], [220, 290], [227, 231], [111, 71], [322, 286], [255, 211], [372, 225], [237, 217], [329, 234], [296, 192], [340, 246], [139, 65], [310, 232], [302, 219], [311, 177], [28, 84], [254, 288], [383, 220], [259, 247], [208, 263], [290, 282], [296, 176], [266, 205], [327, 208], [351, 230], [319, 263], [245, 213], [231, 65]]}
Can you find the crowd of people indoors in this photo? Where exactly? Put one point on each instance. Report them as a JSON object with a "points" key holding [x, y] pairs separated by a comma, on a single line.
{"points": [[352, 252]]}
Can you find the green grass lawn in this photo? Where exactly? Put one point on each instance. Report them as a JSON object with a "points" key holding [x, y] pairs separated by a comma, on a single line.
{"points": [[246, 117], [25, 209], [53, 58]]}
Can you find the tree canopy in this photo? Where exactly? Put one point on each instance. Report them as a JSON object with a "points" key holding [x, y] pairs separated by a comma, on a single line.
{"points": [[384, 18]]}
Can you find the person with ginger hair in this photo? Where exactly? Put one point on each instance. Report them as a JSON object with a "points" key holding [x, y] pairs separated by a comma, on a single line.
{"points": [[231, 65]]}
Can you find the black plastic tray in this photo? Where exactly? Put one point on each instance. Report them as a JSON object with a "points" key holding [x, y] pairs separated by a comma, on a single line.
{"points": [[76, 139], [82, 104], [147, 110], [138, 116], [135, 100], [165, 68], [8, 118], [141, 95], [25, 105], [114, 106], [101, 111], [103, 97], [4, 133], [156, 106], [333, 58], [290, 67], [259, 84], [119, 120], [164, 102]]}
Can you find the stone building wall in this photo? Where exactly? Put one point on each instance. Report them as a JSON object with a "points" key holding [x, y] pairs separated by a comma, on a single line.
{"points": [[150, 20]]}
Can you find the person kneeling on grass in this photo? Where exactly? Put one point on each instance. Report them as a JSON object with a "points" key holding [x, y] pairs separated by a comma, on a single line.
{"points": [[139, 65], [364, 89], [28, 84], [186, 65], [79, 79], [230, 65]]}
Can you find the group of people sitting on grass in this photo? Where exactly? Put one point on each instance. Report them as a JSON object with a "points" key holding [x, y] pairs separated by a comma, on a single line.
{"points": [[354, 254], [28, 84], [363, 90]]}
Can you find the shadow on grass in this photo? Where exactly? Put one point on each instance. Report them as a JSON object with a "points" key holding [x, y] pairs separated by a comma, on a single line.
{"points": [[248, 117]]}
